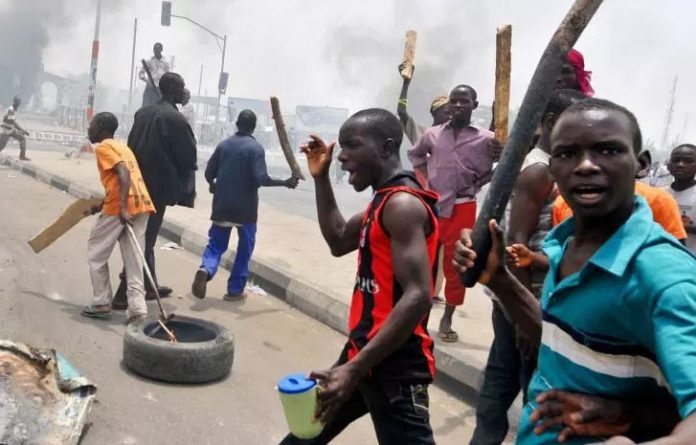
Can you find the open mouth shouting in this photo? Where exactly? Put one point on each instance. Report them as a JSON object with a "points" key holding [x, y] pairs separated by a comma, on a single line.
{"points": [[588, 194]]}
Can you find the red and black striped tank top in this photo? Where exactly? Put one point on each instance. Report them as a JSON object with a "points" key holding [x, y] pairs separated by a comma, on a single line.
{"points": [[377, 291]]}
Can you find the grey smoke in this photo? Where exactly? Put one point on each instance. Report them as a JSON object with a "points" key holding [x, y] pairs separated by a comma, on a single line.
{"points": [[24, 33], [444, 48]]}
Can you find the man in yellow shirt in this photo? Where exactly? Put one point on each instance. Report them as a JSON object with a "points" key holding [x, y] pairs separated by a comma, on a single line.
{"points": [[126, 201]]}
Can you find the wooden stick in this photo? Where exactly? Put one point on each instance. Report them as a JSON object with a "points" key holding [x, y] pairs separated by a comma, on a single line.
{"points": [[528, 118], [170, 334], [409, 54], [148, 272], [283, 138], [503, 41]]}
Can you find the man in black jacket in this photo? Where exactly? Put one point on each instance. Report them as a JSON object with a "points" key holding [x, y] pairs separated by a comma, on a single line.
{"points": [[235, 172], [165, 148]]}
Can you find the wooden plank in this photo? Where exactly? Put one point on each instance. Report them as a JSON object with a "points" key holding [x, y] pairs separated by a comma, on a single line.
{"points": [[72, 215], [503, 41], [283, 138], [409, 54]]}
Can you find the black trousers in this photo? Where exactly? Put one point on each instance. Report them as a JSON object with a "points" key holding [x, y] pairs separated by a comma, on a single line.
{"points": [[508, 371], [154, 224], [400, 414], [150, 95]]}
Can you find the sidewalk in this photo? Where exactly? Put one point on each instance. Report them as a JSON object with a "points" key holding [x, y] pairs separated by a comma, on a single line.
{"points": [[291, 261]]}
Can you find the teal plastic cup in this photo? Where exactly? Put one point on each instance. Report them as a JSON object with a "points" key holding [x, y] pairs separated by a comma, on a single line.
{"points": [[298, 395]]}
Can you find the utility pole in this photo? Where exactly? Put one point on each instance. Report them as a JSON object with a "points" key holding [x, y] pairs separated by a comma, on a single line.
{"points": [[668, 118], [93, 66], [222, 82], [132, 70], [200, 82]]}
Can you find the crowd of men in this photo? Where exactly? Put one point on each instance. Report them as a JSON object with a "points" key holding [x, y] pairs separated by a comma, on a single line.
{"points": [[592, 277], [591, 270]]}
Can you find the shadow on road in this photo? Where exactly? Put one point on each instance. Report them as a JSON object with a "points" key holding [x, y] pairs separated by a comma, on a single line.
{"points": [[236, 308]]}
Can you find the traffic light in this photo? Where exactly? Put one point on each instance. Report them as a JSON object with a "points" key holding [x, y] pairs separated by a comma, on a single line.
{"points": [[222, 82], [166, 13]]}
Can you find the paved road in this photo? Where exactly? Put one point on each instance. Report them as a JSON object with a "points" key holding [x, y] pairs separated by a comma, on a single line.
{"points": [[40, 299]]}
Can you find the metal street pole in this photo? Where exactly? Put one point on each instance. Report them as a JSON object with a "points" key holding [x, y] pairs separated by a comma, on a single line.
{"points": [[165, 20], [200, 82], [222, 70], [93, 66], [132, 70]]}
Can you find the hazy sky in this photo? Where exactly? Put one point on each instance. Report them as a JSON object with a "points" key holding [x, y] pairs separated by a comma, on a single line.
{"points": [[321, 52]]}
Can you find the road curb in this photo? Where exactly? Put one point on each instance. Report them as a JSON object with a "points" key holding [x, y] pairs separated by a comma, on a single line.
{"points": [[319, 304]]}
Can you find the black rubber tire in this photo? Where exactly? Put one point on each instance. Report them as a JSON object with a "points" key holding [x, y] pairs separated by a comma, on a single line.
{"points": [[198, 362]]}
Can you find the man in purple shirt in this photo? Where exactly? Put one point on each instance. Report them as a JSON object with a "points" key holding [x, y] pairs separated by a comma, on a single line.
{"points": [[457, 158]]}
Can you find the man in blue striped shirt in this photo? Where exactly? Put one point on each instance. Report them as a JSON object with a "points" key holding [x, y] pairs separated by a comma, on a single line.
{"points": [[617, 317]]}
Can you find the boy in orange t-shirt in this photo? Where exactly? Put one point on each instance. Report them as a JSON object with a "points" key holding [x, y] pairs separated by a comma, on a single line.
{"points": [[663, 205], [126, 201], [664, 208]]}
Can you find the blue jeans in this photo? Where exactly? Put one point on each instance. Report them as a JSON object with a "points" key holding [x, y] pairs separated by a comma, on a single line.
{"points": [[507, 372], [218, 241]]}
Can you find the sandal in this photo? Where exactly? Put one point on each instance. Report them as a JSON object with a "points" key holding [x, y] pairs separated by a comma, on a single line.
{"points": [[448, 337], [103, 311]]}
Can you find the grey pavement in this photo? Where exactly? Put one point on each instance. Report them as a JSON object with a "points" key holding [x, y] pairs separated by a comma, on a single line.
{"points": [[40, 299]]}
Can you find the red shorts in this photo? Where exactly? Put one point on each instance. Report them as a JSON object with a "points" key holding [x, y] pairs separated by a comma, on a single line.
{"points": [[463, 217]]}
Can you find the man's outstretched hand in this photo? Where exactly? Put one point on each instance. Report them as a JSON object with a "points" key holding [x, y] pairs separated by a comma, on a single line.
{"points": [[292, 182], [464, 255], [580, 415], [318, 154]]}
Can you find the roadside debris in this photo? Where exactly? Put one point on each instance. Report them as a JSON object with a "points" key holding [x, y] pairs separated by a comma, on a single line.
{"points": [[44, 400]]}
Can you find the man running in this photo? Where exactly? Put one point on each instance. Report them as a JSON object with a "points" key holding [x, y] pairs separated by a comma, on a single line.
{"points": [[234, 173], [388, 363], [11, 129]]}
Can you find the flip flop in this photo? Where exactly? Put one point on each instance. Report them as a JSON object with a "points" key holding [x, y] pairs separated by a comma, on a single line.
{"points": [[439, 300], [448, 337], [101, 312]]}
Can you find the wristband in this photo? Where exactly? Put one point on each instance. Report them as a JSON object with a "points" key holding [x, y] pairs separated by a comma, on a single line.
{"points": [[403, 102]]}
